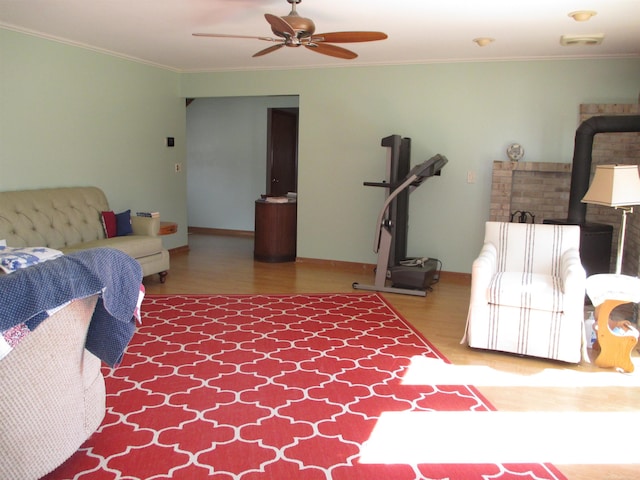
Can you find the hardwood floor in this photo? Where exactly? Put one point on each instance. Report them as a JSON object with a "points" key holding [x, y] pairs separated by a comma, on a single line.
{"points": [[224, 264]]}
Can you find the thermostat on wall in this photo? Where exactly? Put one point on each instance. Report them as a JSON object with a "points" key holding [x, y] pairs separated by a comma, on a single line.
{"points": [[171, 142]]}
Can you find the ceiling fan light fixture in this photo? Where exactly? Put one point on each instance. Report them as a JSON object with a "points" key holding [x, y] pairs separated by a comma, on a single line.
{"points": [[582, 15], [483, 41]]}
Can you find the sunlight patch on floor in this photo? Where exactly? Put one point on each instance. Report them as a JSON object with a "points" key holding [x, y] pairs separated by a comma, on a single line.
{"points": [[503, 437], [430, 371]]}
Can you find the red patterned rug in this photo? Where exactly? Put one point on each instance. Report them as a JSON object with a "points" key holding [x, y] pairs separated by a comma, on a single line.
{"points": [[270, 387]]}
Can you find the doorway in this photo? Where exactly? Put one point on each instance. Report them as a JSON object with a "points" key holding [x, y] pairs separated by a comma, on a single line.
{"points": [[282, 151], [227, 145]]}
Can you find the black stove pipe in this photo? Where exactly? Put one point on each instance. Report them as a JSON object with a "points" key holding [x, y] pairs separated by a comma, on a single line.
{"points": [[581, 169]]}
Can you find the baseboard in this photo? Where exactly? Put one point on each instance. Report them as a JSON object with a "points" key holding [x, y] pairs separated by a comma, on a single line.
{"points": [[456, 277], [179, 250], [220, 231], [368, 267]]}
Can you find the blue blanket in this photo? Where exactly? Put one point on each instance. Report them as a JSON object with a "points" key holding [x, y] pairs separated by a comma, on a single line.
{"points": [[27, 294]]}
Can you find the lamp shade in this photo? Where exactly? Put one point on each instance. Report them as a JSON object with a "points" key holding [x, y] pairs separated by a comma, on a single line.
{"points": [[614, 186]]}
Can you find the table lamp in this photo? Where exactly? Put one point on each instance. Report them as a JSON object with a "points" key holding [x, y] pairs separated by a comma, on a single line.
{"points": [[616, 186]]}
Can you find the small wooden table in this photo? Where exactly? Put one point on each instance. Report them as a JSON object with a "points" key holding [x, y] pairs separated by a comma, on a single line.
{"points": [[168, 228], [275, 231], [608, 291]]}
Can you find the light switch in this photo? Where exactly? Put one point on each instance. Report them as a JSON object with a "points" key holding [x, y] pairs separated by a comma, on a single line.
{"points": [[471, 176]]}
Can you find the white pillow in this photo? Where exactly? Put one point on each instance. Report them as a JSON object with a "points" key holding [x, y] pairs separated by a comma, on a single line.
{"points": [[3, 243], [15, 258]]}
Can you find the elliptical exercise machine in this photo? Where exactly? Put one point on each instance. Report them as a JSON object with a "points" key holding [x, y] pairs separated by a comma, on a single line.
{"points": [[409, 276]]}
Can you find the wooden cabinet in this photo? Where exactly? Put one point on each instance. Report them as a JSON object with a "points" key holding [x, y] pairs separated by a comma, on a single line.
{"points": [[275, 231]]}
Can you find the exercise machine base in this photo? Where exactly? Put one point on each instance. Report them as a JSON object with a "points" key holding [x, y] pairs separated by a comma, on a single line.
{"points": [[402, 291], [418, 277], [405, 280]]}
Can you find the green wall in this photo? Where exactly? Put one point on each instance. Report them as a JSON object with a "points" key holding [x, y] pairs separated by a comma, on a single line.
{"points": [[72, 116], [468, 112]]}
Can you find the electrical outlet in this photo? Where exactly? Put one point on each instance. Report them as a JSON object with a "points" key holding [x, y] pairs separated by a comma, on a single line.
{"points": [[178, 167], [471, 176]]}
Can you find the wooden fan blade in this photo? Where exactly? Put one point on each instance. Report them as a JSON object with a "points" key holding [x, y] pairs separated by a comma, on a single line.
{"points": [[348, 37], [279, 25], [332, 50], [224, 35], [270, 49]]}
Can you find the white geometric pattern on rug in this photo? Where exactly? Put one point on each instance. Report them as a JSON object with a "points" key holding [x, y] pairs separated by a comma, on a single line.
{"points": [[268, 386]]}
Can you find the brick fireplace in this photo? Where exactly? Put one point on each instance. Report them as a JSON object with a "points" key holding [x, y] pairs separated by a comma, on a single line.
{"points": [[542, 188]]}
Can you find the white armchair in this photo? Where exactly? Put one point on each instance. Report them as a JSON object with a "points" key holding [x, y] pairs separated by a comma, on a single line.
{"points": [[528, 291]]}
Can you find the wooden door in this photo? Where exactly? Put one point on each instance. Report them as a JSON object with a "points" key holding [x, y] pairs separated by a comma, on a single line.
{"points": [[282, 151]]}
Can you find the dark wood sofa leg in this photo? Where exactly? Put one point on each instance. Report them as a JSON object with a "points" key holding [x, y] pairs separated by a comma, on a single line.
{"points": [[163, 276]]}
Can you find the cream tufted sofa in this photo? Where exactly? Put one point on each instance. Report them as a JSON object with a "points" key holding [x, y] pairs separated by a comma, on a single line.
{"points": [[69, 219]]}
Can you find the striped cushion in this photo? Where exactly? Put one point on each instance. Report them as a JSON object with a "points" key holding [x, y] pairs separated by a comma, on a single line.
{"points": [[516, 289], [520, 251]]}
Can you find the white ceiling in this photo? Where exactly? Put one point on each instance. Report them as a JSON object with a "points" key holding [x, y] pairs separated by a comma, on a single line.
{"points": [[420, 31]]}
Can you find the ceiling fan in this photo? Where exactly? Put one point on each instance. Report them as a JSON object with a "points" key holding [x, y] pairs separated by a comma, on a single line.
{"points": [[293, 30]]}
